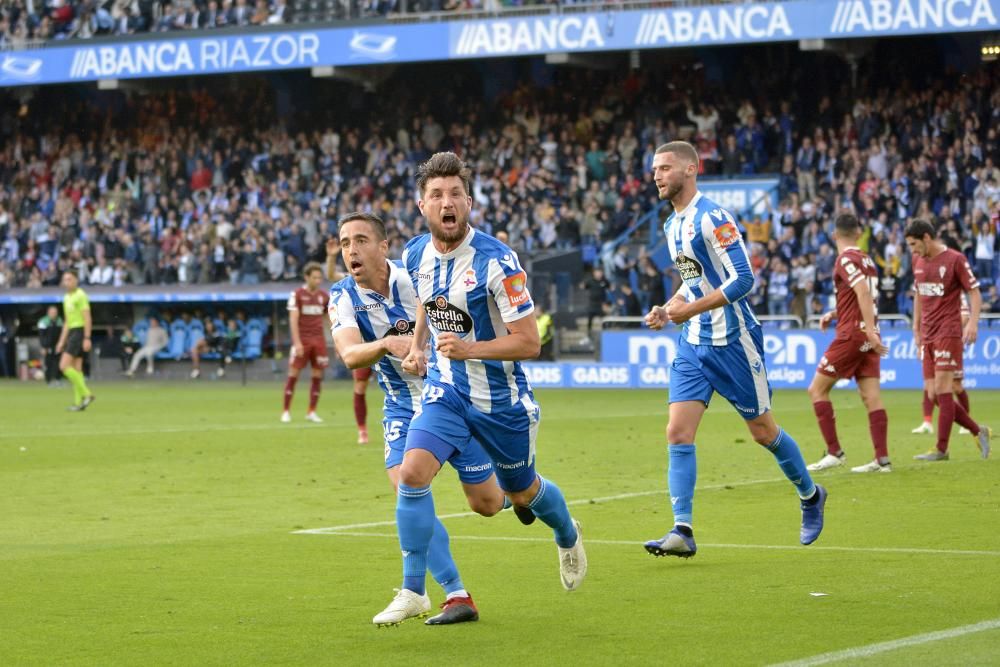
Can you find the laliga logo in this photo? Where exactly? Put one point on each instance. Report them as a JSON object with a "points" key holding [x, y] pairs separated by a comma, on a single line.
{"points": [[787, 349], [911, 15]]}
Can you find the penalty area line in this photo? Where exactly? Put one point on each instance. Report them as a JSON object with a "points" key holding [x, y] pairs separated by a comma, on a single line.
{"points": [[633, 543], [883, 647]]}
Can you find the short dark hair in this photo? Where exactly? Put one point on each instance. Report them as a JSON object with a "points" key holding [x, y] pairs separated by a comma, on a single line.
{"points": [[443, 165], [847, 223], [310, 267], [918, 229], [372, 219], [681, 148]]}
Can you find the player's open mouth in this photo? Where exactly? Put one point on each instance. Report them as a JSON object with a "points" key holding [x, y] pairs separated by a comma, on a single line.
{"points": [[355, 265], [448, 219]]}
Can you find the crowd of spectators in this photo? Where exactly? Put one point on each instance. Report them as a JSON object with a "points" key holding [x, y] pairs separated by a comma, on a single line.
{"points": [[23, 22], [206, 186]]}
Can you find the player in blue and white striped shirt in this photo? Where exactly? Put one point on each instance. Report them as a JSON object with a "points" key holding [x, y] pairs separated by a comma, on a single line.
{"points": [[372, 313], [721, 347], [479, 312]]}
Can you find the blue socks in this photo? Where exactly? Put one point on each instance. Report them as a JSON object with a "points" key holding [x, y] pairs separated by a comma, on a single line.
{"points": [[415, 522], [790, 460], [549, 505], [682, 473], [439, 561]]}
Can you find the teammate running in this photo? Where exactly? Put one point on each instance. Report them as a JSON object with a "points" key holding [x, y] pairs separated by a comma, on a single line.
{"points": [[721, 348], [372, 314], [477, 308]]}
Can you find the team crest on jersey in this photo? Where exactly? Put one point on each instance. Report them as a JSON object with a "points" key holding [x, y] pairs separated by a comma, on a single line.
{"points": [[690, 270], [727, 234], [942, 270], [689, 229], [401, 327], [469, 281], [447, 317], [517, 289]]}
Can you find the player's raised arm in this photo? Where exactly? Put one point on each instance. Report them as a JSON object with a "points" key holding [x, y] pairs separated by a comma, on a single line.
{"points": [[358, 354], [415, 361], [332, 251]]}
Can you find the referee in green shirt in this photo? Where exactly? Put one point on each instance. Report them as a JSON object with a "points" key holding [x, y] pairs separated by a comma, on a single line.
{"points": [[74, 341]]}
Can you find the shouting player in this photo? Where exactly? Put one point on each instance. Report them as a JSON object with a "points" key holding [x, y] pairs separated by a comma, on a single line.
{"points": [[306, 307], [856, 350], [721, 347], [372, 313], [940, 275], [477, 308]]}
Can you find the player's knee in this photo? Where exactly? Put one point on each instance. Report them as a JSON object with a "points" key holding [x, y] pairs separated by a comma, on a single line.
{"points": [[679, 433], [486, 505], [816, 394], [522, 497], [763, 434], [413, 476]]}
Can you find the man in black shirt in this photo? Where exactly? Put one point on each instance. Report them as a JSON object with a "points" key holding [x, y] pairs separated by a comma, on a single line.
{"points": [[49, 328]]}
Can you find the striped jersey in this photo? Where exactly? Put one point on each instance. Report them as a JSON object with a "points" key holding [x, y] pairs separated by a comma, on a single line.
{"points": [[375, 316], [708, 251], [472, 291]]}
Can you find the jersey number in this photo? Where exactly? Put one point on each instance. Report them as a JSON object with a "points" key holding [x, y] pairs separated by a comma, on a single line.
{"points": [[432, 393], [392, 430]]}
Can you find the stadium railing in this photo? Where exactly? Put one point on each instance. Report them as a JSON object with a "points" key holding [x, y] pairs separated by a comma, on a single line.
{"points": [[888, 321]]}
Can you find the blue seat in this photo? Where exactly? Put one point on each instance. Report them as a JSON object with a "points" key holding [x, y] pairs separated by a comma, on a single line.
{"points": [[175, 343], [140, 329], [253, 338], [195, 332]]}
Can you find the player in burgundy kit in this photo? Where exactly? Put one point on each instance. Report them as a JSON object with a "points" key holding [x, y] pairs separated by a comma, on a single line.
{"points": [[940, 275], [306, 311], [855, 352]]}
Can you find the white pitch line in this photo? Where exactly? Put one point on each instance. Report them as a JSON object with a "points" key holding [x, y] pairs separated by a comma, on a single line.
{"points": [[582, 501], [632, 543], [147, 431], [882, 647]]}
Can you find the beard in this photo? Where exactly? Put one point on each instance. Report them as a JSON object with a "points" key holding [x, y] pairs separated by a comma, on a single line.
{"points": [[439, 232], [672, 190]]}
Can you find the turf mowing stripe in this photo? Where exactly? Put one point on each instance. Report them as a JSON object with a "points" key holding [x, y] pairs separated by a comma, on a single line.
{"points": [[882, 647], [633, 543]]}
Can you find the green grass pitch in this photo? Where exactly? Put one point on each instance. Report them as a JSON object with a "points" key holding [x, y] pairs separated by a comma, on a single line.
{"points": [[159, 527]]}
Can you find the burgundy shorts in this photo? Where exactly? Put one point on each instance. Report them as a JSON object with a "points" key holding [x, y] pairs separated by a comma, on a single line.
{"points": [[850, 358], [943, 354], [362, 374], [314, 352]]}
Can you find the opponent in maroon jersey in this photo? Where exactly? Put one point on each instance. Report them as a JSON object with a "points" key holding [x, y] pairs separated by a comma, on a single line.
{"points": [[306, 311], [855, 351], [940, 275], [958, 388]]}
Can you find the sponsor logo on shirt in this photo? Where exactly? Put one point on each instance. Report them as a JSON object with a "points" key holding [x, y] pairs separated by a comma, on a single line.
{"points": [[930, 289], [422, 276], [367, 306], [517, 289], [446, 317], [727, 234], [312, 309], [690, 270]]}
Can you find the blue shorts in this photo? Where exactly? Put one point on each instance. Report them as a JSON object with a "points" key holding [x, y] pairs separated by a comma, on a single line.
{"points": [[448, 422], [735, 370], [472, 465]]}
